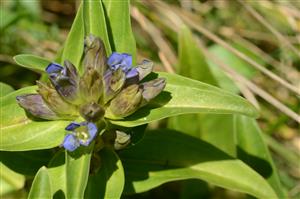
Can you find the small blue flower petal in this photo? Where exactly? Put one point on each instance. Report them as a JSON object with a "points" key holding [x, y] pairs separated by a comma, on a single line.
{"points": [[72, 126], [54, 68], [114, 59], [127, 60], [92, 130], [117, 60], [132, 73], [70, 142]]}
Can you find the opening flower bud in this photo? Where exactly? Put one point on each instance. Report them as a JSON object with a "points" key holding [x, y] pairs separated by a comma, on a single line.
{"points": [[125, 103]]}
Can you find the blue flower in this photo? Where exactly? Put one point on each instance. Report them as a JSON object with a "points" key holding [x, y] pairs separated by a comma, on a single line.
{"points": [[81, 134], [123, 61]]}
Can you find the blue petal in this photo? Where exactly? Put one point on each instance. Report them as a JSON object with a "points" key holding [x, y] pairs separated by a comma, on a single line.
{"points": [[114, 58], [72, 126], [53, 68], [92, 130], [70, 142], [127, 60], [132, 73]]}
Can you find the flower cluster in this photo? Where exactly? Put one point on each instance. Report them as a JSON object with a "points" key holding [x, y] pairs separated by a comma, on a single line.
{"points": [[109, 89]]}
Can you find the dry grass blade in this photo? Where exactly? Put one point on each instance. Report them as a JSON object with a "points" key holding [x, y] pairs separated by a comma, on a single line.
{"points": [[156, 36], [221, 42], [265, 23], [253, 87], [289, 72]]}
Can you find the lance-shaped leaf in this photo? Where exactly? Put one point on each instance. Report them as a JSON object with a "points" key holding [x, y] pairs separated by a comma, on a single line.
{"points": [[5, 89], [32, 62], [73, 47], [183, 95], [36, 106], [77, 171], [165, 155], [41, 186], [118, 21], [109, 181]]}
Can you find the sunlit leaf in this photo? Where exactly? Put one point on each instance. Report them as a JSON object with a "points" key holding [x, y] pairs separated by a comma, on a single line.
{"points": [[108, 182], [165, 155], [41, 186], [5, 89], [118, 20]]}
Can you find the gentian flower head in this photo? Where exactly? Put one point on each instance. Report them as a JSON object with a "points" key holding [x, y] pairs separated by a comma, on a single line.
{"points": [[109, 89]]}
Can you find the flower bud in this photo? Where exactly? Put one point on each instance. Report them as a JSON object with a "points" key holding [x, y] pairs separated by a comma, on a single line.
{"points": [[36, 106], [122, 140], [91, 86], [92, 112], [113, 82], [95, 55], [55, 102], [144, 69], [125, 103], [152, 88], [65, 81]]}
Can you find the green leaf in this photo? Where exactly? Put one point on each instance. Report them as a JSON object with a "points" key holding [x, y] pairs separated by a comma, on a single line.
{"points": [[5, 89], [233, 61], [183, 95], [73, 47], [118, 20], [252, 149], [165, 155], [41, 186], [57, 173], [77, 171], [217, 130], [10, 181], [109, 181], [192, 62], [32, 62], [19, 133], [94, 21]]}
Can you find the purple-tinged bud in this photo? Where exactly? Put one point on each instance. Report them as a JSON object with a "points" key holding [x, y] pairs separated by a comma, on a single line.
{"points": [[95, 55], [144, 69], [125, 103], [152, 88], [55, 102], [65, 80], [113, 83], [92, 112], [91, 86], [36, 106]]}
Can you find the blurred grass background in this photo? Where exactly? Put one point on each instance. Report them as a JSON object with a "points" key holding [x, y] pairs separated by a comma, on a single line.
{"points": [[256, 44]]}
